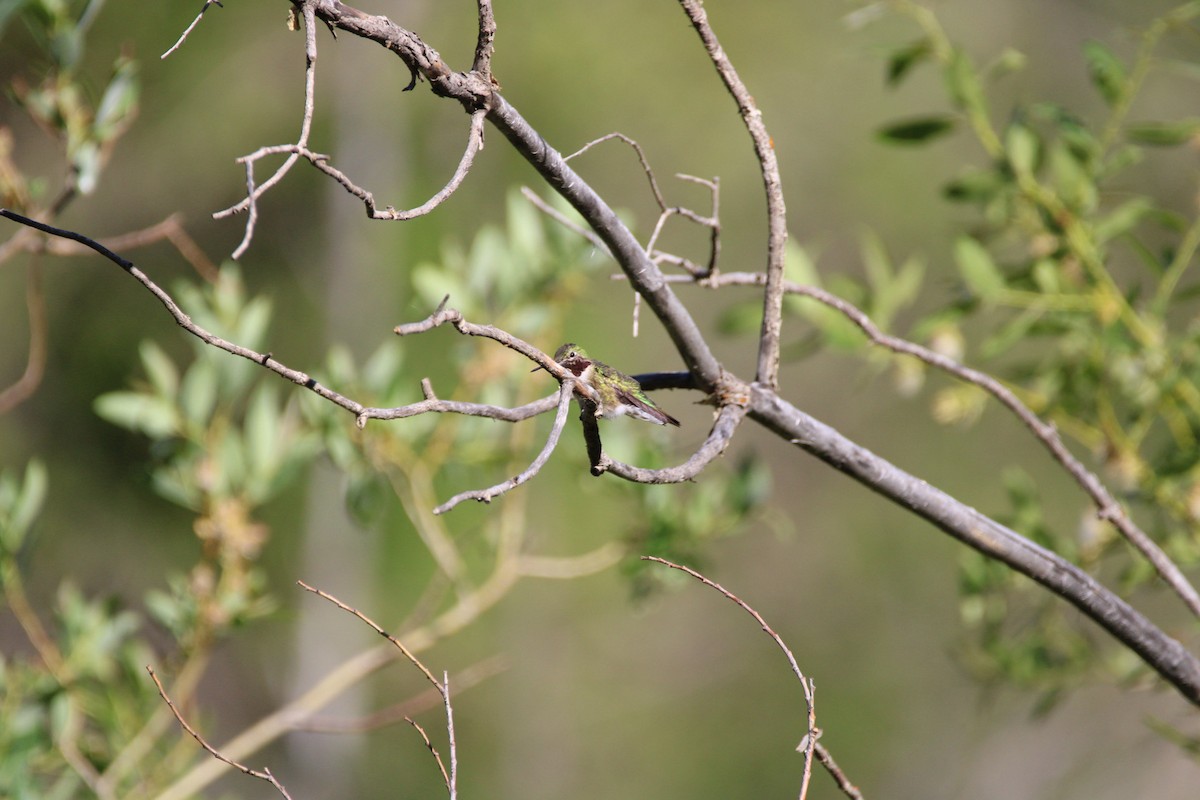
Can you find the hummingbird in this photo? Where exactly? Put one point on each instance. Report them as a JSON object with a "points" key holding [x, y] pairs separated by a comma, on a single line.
{"points": [[618, 393]]}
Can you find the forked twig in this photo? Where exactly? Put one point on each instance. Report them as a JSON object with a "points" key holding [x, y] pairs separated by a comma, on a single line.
{"points": [[810, 738], [566, 392], [443, 688], [310, 86]]}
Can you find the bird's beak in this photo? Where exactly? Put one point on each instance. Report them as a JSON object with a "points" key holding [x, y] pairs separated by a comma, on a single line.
{"points": [[535, 369]]}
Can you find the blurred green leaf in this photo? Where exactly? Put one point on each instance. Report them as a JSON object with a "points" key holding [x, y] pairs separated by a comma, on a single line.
{"points": [[160, 370], [1022, 146], [1164, 134], [917, 130], [977, 268], [741, 318], [1123, 218], [1107, 72], [118, 105], [963, 82], [901, 62], [153, 416], [20, 504], [974, 186], [198, 393]]}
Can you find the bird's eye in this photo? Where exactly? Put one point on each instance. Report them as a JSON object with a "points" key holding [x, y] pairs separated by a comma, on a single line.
{"points": [[571, 354]]}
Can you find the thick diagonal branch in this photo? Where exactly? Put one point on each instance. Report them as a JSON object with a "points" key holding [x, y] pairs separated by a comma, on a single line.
{"points": [[1165, 655]]}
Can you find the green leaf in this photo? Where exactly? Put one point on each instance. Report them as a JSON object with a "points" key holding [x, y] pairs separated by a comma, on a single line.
{"points": [[1022, 146], [963, 81], [432, 283], [1123, 218], [917, 130], [974, 186], [903, 60], [20, 506], [160, 370], [263, 440], [1164, 134], [1107, 72], [119, 104], [198, 393], [152, 416], [977, 268]]}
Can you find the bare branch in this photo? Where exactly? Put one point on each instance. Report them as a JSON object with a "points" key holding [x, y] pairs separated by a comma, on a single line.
{"points": [[564, 220], [728, 419], [1107, 507], [487, 495], [437, 757], [264, 775], [184, 321], [1161, 652], [764, 148], [442, 688], [844, 783], [484, 47], [401, 712], [23, 387], [170, 229], [310, 84], [806, 683], [188, 31], [641, 154], [416, 662]]}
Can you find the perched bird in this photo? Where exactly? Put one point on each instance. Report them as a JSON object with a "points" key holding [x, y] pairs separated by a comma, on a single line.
{"points": [[617, 393]]}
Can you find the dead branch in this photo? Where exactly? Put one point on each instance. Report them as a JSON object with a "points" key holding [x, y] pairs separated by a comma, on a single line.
{"points": [[264, 774], [810, 738], [188, 31], [442, 688], [764, 149], [487, 495]]}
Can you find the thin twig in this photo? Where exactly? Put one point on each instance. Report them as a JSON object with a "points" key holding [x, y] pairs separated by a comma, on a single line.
{"points": [[442, 688], [465, 679], [437, 757], [641, 154], [806, 683], [264, 775], [485, 45], [23, 387], [351, 671], [564, 220], [487, 495], [732, 412], [844, 783], [188, 31], [416, 662], [764, 149], [1107, 506], [310, 87]]}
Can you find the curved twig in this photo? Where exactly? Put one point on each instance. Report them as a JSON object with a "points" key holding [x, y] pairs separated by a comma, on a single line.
{"points": [[726, 424], [764, 148], [810, 738], [253, 192], [487, 495], [264, 774]]}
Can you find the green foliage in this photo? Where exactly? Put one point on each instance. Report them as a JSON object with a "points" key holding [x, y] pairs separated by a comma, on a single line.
{"points": [[59, 102], [1076, 290]]}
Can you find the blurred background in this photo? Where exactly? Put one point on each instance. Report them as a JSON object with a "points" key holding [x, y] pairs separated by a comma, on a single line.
{"points": [[598, 694]]}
